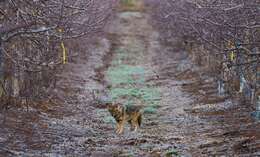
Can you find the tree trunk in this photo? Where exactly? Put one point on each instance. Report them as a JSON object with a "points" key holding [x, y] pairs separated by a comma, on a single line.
{"points": [[1, 69]]}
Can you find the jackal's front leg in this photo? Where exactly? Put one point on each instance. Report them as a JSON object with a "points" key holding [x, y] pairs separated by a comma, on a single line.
{"points": [[120, 127]]}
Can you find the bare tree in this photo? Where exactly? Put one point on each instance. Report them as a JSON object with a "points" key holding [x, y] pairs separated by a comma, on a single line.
{"points": [[227, 31], [34, 36]]}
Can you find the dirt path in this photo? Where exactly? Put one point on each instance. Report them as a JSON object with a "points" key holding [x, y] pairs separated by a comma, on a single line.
{"points": [[136, 67], [133, 72]]}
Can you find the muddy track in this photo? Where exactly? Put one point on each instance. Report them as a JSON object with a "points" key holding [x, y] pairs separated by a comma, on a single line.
{"points": [[136, 46]]}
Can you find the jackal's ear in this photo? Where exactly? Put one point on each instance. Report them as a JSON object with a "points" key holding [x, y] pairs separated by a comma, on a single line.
{"points": [[119, 107]]}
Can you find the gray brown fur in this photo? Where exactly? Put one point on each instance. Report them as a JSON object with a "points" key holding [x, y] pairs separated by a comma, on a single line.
{"points": [[123, 114]]}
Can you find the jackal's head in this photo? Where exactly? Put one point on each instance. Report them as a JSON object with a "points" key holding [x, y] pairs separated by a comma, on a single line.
{"points": [[115, 108]]}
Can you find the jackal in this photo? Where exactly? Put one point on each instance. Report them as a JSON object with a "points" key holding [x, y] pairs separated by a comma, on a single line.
{"points": [[123, 114]]}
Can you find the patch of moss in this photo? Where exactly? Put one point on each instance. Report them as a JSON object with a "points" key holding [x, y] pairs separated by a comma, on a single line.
{"points": [[150, 96], [150, 110], [109, 119], [171, 153], [125, 74], [128, 83], [128, 2], [131, 5]]}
